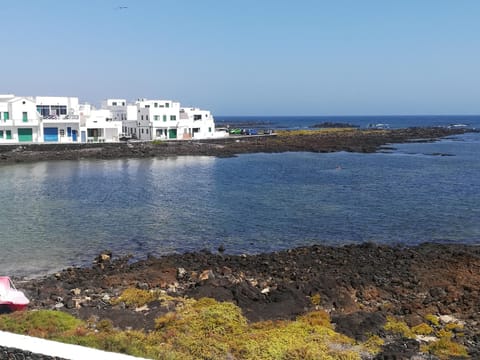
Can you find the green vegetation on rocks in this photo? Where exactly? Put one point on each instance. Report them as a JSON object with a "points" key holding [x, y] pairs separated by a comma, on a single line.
{"points": [[444, 347], [43, 323], [197, 329]]}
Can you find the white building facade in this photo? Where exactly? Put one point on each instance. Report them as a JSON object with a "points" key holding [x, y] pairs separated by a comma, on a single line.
{"points": [[60, 118], [97, 125], [19, 120], [64, 120]]}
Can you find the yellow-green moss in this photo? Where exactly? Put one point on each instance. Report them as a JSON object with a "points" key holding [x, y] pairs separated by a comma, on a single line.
{"points": [[432, 319], [203, 329], [136, 297], [453, 326], [316, 299], [43, 323], [316, 318], [422, 329], [296, 340], [445, 348], [373, 344], [398, 327]]}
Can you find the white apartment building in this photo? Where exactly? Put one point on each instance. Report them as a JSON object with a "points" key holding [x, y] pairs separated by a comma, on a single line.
{"points": [[59, 117], [167, 120], [196, 124], [98, 125], [19, 120], [159, 119], [64, 120]]}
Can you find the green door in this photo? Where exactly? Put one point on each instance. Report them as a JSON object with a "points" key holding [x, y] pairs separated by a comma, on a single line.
{"points": [[172, 133], [25, 135]]}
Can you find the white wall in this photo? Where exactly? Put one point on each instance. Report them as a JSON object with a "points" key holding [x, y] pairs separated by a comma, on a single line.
{"points": [[70, 102], [106, 129], [196, 123], [18, 106]]}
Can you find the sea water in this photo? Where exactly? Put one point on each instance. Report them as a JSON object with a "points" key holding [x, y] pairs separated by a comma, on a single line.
{"points": [[62, 213]]}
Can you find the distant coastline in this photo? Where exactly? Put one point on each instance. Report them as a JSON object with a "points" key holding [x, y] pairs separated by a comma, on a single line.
{"points": [[322, 140]]}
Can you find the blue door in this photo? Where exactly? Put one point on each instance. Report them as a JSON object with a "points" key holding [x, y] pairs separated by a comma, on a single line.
{"points": [[74, 135], [50, 134], [84, 136]]}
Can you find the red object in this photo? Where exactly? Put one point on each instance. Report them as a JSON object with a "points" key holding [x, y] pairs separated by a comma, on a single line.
{"points": [[10, 297]]}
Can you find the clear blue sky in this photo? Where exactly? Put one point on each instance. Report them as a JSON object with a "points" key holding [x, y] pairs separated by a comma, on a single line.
{"points": [[250, 57]]}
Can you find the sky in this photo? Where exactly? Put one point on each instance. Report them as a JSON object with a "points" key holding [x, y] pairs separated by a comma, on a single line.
{"points": [[249, 57]]}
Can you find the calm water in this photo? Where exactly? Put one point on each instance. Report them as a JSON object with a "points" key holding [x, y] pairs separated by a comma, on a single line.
{"points": [[57, 214]]}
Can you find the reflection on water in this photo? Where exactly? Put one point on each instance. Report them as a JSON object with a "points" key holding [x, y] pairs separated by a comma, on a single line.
{"points": [[57, 214]]}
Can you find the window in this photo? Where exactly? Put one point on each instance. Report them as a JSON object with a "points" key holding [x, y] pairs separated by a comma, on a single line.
{"points": [[173, 117], [43, 110], [58, 110], [147, 106], [167, 105], [209, 129], [6, 116], [146, 117], [62, 132], [123, 103], [1, 134], [155, 117], [155, 104], [197, 117], [9, 134], [146, 130], [24, 116], [114, 103], [142, 130], [164, 117], [142, 117], [90, 133]]}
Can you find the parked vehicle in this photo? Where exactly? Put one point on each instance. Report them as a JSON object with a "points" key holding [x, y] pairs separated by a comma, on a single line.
{"points": [[126, 137]]}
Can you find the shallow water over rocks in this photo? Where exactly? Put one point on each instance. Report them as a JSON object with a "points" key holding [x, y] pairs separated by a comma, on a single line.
{"points": [[57, 214]]}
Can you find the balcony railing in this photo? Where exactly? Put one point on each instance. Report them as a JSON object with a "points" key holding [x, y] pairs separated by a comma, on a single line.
{"points": [[61, 117]]}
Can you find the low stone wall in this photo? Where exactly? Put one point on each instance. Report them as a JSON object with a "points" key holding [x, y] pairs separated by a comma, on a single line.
{"points": [[7, 353]]}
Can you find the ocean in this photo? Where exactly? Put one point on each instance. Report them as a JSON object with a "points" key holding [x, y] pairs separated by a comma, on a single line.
{"points": [[306, 122], [62, 213]]}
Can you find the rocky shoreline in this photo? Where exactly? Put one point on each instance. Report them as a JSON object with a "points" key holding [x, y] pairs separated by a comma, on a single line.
{"points": [[329, 140], [360, 286]]}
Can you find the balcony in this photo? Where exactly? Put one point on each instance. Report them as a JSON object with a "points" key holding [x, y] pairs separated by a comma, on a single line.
{"points": [[61, 117]]}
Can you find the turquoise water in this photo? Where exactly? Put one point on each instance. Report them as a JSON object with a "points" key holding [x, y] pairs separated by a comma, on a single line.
{"points": [[57, 214]]}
